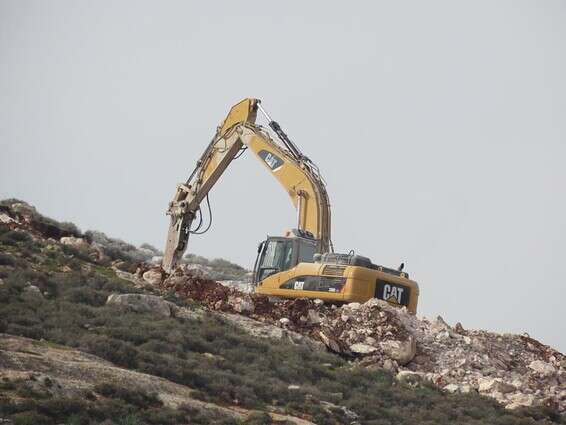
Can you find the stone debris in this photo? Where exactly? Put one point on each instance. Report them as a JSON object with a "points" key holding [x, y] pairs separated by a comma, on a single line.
{"points": [[516, 370], [153, 276]]}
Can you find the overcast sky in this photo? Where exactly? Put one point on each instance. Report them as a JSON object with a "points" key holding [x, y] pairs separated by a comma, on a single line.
{"points": [[439, 126]]}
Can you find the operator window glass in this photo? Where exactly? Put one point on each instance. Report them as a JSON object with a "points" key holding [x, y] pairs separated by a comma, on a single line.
{"points": [[269, 257], [306, 252], [278, 257]]}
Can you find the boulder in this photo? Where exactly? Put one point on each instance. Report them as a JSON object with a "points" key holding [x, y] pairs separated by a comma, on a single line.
{"points": [[542, 368], [77, 243], [142, 303], [490, 385], [390, 366], [400, 351], [313, 317], [153, 277], [452, 388], [6, 219], [520, 400], [32, 292], [409, 377], [361, 348], [185, 313], [330, 343], [265, 330], [353, 306], [241, 304]]}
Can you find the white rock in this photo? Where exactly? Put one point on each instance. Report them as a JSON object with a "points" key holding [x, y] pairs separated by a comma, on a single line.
{"points": [[241, 304], [330, 343], [400, 351], [184, 312], [361, 348], [542, 368], [313, 317], [390, 365], [284, 321], [78, 243], [488, 385], [6, 219], [521, 400], [409, 377], [142, 303], [370, 340], [452, 388], [153, 277], [439, 325], [32, 292], [353, 306]]}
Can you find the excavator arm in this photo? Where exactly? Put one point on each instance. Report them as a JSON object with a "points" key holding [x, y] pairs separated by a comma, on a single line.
{"points": [[295, 172]]}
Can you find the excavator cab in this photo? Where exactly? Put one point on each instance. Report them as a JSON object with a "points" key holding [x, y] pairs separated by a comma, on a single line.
{"points": [[278, 254]]}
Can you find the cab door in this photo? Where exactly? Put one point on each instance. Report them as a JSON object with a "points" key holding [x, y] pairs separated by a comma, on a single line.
{"points": [[276, 256]]}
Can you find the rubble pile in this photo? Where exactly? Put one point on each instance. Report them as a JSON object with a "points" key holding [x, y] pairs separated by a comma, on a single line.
{"points": [[516, 370]]}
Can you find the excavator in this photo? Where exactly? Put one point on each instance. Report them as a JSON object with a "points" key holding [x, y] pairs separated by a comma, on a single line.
{"points": [[302, 263]]}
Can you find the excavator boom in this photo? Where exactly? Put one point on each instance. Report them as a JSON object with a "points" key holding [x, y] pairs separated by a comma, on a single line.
{"points": [[297, 174]]}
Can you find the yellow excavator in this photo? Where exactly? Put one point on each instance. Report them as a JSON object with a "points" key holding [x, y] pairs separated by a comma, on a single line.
{"points": [[303, 262]]}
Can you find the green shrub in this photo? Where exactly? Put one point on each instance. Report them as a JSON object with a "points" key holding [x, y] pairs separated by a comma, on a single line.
{"points": [[134, 397], [86, 295], [14, 237]]}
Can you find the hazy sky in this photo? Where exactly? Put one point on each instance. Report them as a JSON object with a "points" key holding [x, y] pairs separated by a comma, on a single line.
{"points": [[439, 126]]}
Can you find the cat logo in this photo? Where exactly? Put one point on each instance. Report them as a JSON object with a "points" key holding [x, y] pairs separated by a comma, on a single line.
{"points": [[392, 293], [272, 160]]}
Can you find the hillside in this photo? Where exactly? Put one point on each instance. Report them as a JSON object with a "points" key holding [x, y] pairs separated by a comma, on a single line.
{"points": [[93, 332]]}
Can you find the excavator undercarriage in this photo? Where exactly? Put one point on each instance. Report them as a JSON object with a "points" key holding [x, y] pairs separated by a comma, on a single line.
{"points": [[302, 263]]}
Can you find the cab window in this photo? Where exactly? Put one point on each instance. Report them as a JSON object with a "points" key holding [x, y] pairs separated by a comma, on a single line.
{"points": [[278, 257]]}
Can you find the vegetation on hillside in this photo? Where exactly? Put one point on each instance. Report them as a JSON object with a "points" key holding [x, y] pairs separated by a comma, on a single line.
{"points": [[224, 364]]}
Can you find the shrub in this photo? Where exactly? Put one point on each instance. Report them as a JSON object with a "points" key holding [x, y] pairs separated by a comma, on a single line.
{"points": [[13, 237], [86, 295], [135, 397], [7, 260]]}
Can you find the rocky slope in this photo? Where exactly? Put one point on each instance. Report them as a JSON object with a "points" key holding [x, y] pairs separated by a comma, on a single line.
{"points": [[67, 373], [516, 370], [49, 269]]}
